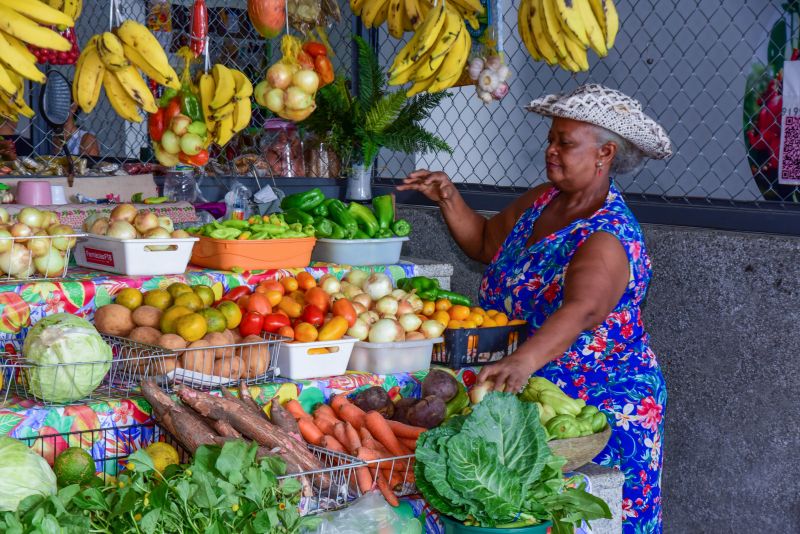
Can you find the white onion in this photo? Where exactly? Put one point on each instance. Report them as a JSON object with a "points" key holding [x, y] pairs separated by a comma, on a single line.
{"points": [[414, 336], [6, 241], [4, 216], [50, 264], [297, 99], [39, 247], [279, 76], [30, 216], [330, 284], [386, 306], [431, 329], [404, 307], [157, 233], [410, 322], [16, 261], [399, 294], [337, 296], [415, 301], [369, 317], [306, 80], [352, 291], [357, 277], [166, 224], [21, 230], [389, 316], [144, 221], [360, 330], [49, 218], [124, 212], [363, 299], [359, 308], [180, 234], [62, 243], [378, 285], [121, 230], [99, 226], [384, 331]]}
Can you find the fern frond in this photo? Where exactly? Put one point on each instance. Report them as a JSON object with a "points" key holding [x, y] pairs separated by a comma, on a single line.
{"points": [[371, 78], [385, 111]]}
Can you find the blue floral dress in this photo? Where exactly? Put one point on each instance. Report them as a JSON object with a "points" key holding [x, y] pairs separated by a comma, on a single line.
{"points": [[611, 366]]}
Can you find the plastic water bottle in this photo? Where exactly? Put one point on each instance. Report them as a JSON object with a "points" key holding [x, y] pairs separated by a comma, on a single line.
{"points": [[180, 185]]}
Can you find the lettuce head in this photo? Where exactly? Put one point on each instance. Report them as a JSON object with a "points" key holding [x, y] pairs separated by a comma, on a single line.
{"points": [[22, 473]]}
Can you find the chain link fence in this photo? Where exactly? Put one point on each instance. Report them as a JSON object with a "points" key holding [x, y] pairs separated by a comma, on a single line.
{"points": [[688, 62]]}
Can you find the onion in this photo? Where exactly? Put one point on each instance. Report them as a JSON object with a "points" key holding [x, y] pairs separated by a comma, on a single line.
{"points": [[274, 100], [357, 277], [501, 91], [50, 264], [31, 217], [279, 76], [386, 306], [360, 330], [124, 212], [352, 291], [39, 247], [157, 233], [358, 308], [363, 299], [330, 284], [21, 230], [180, 234], [4, 216], [337, 296], [6, 240], [493, 62], [378, 285], [369, 317], [99, 227], [62, 243], [410, 322], [166, 223], [297, 99], [414, 336], [399, 294], [431, 329], [16, 261], [144, 221], [180, 124], [49, 218], [306, 80], [415, 302], [479, 391], [385, 331], [121, 230], [404, 307], [389, 316]]}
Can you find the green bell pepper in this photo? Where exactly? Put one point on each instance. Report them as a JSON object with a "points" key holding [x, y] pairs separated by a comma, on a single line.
{"points": [[364, 217], [294, 215], [360, 235], [455, 405], [320, 211], [322, 227], [190, 106], [384, 233], [344, 218], [401, 228], [305, 201], [383, 206], [338, 231], [563, 427], [420, 283], [168, 94]]}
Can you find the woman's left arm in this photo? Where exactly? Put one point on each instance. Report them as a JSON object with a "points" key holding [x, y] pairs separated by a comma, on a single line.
{"points": [[595, 282]]}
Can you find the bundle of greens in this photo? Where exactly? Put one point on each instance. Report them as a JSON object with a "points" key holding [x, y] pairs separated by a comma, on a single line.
{"points": [[225, 489], [493, 468]]}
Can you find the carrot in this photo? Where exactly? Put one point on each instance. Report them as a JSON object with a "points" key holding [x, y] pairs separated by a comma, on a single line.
{"points": [[296, 409], [340, 434], [337, 401], [402, 430], [310, 432], [324, 409], [410, 443], [382, 432], [324, 424], [331, 443], [388, 494], [379, 460], [353, 415], [352, 436], [364, 479], [396, 480]]}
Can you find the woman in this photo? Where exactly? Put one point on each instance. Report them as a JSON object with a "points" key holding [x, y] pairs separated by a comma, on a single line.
{"points": [[569, 257], [79, 141]]}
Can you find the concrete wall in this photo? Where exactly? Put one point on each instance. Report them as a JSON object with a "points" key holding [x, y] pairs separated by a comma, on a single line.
{"points": [[723, 315]]}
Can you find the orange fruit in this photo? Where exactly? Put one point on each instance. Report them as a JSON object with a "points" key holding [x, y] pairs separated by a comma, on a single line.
{"points": [[129, 297], [305, 281], [189, 300], [274, 297], [478, 310], [469, 324], [232, 313], [178, 288], [516, 322], [492, 313], [459, 312], [158, 298], [443, 305], [441, 316], [171, 316], [191, 327], [289, 284], [476, 318], [501, 319], [428, 307], [215, 320], [454, 325], [488, 323], [205, 293]]}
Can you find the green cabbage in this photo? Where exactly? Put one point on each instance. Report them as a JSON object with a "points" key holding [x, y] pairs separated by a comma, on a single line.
{"points": [[22, 473], [62, 338]]}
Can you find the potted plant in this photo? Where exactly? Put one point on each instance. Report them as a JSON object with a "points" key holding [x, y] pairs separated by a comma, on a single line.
{"points": [[492, 471], [356, 125]]}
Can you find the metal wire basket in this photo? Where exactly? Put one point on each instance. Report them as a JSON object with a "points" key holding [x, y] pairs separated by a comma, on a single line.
{"points": [[397, 472], [64, 383], [40, 257]]}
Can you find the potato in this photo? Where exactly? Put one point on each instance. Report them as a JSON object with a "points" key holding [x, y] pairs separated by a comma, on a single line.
{"points": [[145, 334], [114, 320], [229, 336], [172, 342], [256, 357], [229, 368], [147, 316], [157, 366], [217, 339], [237, 337], [198, 360]]}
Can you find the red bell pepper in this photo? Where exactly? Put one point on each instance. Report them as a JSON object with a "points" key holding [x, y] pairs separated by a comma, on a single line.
{"points": [[236, 292], [155, 125], [199, 27], [251, 324], [314, 49], [312, 315], [198, 160], [275, 321]]}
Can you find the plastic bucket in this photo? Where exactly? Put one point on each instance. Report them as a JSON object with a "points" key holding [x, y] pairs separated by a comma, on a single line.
{"points": [[359, 251], [451, 526], [225, 254]]}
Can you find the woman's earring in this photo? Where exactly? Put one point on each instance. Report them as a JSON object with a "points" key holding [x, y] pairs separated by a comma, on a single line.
{"points": [[599, 168]]}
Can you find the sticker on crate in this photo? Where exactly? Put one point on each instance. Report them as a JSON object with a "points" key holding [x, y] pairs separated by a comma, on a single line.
{"points": [[100, 257]]}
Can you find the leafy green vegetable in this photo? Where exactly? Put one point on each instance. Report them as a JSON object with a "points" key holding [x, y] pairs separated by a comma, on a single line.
{"points": [[22, 473], [224, 490], [493, 468]]}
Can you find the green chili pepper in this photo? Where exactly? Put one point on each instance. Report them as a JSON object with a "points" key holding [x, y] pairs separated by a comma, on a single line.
{"points": [[234, 223], [168, 94], [294, 215], [341, 216], [277, 219], [455, 405], [384, 233], [322, 227], [384, 210], [321, 210], [292, 234], [190, 106], [401, 228], [309, 230], [364, 217], [455, 298], [271, 229], [296, 227], [225, 233], [305, 201], [360, 235]]}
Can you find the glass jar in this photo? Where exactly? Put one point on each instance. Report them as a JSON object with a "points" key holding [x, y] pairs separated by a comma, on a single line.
{"points": [[282, 149], [180, 184], [321, 161]]}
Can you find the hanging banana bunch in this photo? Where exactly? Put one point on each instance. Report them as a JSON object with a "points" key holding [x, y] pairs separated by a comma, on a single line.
{"points": [[560, 31], [434, 58], [25, 22], [400, 15], [225, 98]]}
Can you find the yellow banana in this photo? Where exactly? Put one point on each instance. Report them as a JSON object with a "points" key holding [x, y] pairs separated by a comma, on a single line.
{"points": [[394, 19], [17, 105], [572, 21], [242, 113], [120, 100], [548, 51], [56, 4], [413, 13], [6, 83], [445, 43], [73, 8], [225, 131], [168, 80], [473, 20], [593, 29], [224, 111], [88, 79], [525, 31], [39, 12], [357, 6], [18, 61], [20, 47], [577, 52], [139, 38], [371, 13], [243, 86], [429, 31], [136, 87], [5, 110], [30, 32], [206, 89], [468, 6], [224, 86], [552, 27], [453, 66], [111, 52], [612, 22]]}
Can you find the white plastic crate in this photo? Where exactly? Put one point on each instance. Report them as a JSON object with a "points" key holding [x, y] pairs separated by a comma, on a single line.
{"points": [[388, 358], [135, 257], [359, 251], [296, 363]]}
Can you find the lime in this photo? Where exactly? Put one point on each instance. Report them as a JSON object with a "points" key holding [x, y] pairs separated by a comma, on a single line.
{"points": [[205, 293], [158, 298], [189, 300], [191, 327], [215, 320], [130, 298], [74, 466], [232, 313], [169, 317], [163, 455], [178, 288]]}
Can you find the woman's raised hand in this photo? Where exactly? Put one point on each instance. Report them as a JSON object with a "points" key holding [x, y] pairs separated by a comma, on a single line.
{"points": [[435, 185]]}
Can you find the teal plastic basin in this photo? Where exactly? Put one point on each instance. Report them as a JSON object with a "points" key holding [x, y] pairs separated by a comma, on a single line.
{"points": [[451, 526]]}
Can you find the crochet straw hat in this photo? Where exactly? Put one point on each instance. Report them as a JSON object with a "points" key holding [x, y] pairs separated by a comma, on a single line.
{"points": [[612, 110]]}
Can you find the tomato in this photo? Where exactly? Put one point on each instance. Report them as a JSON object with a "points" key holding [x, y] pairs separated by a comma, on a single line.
{"points": [[242, 302], [273, 285], [198, 160], [291, 307], [252, 324], [259, 303], [172, 109], [289, 284], [305, 281], [305, 61], [299, 297], [155, 124], [274, 297], [313, 315], [305, 333], [315, 49], [344, 308], [286, 331], [334, 329], [236, 293], [274, 321], [324, 69], [318, 298]]}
